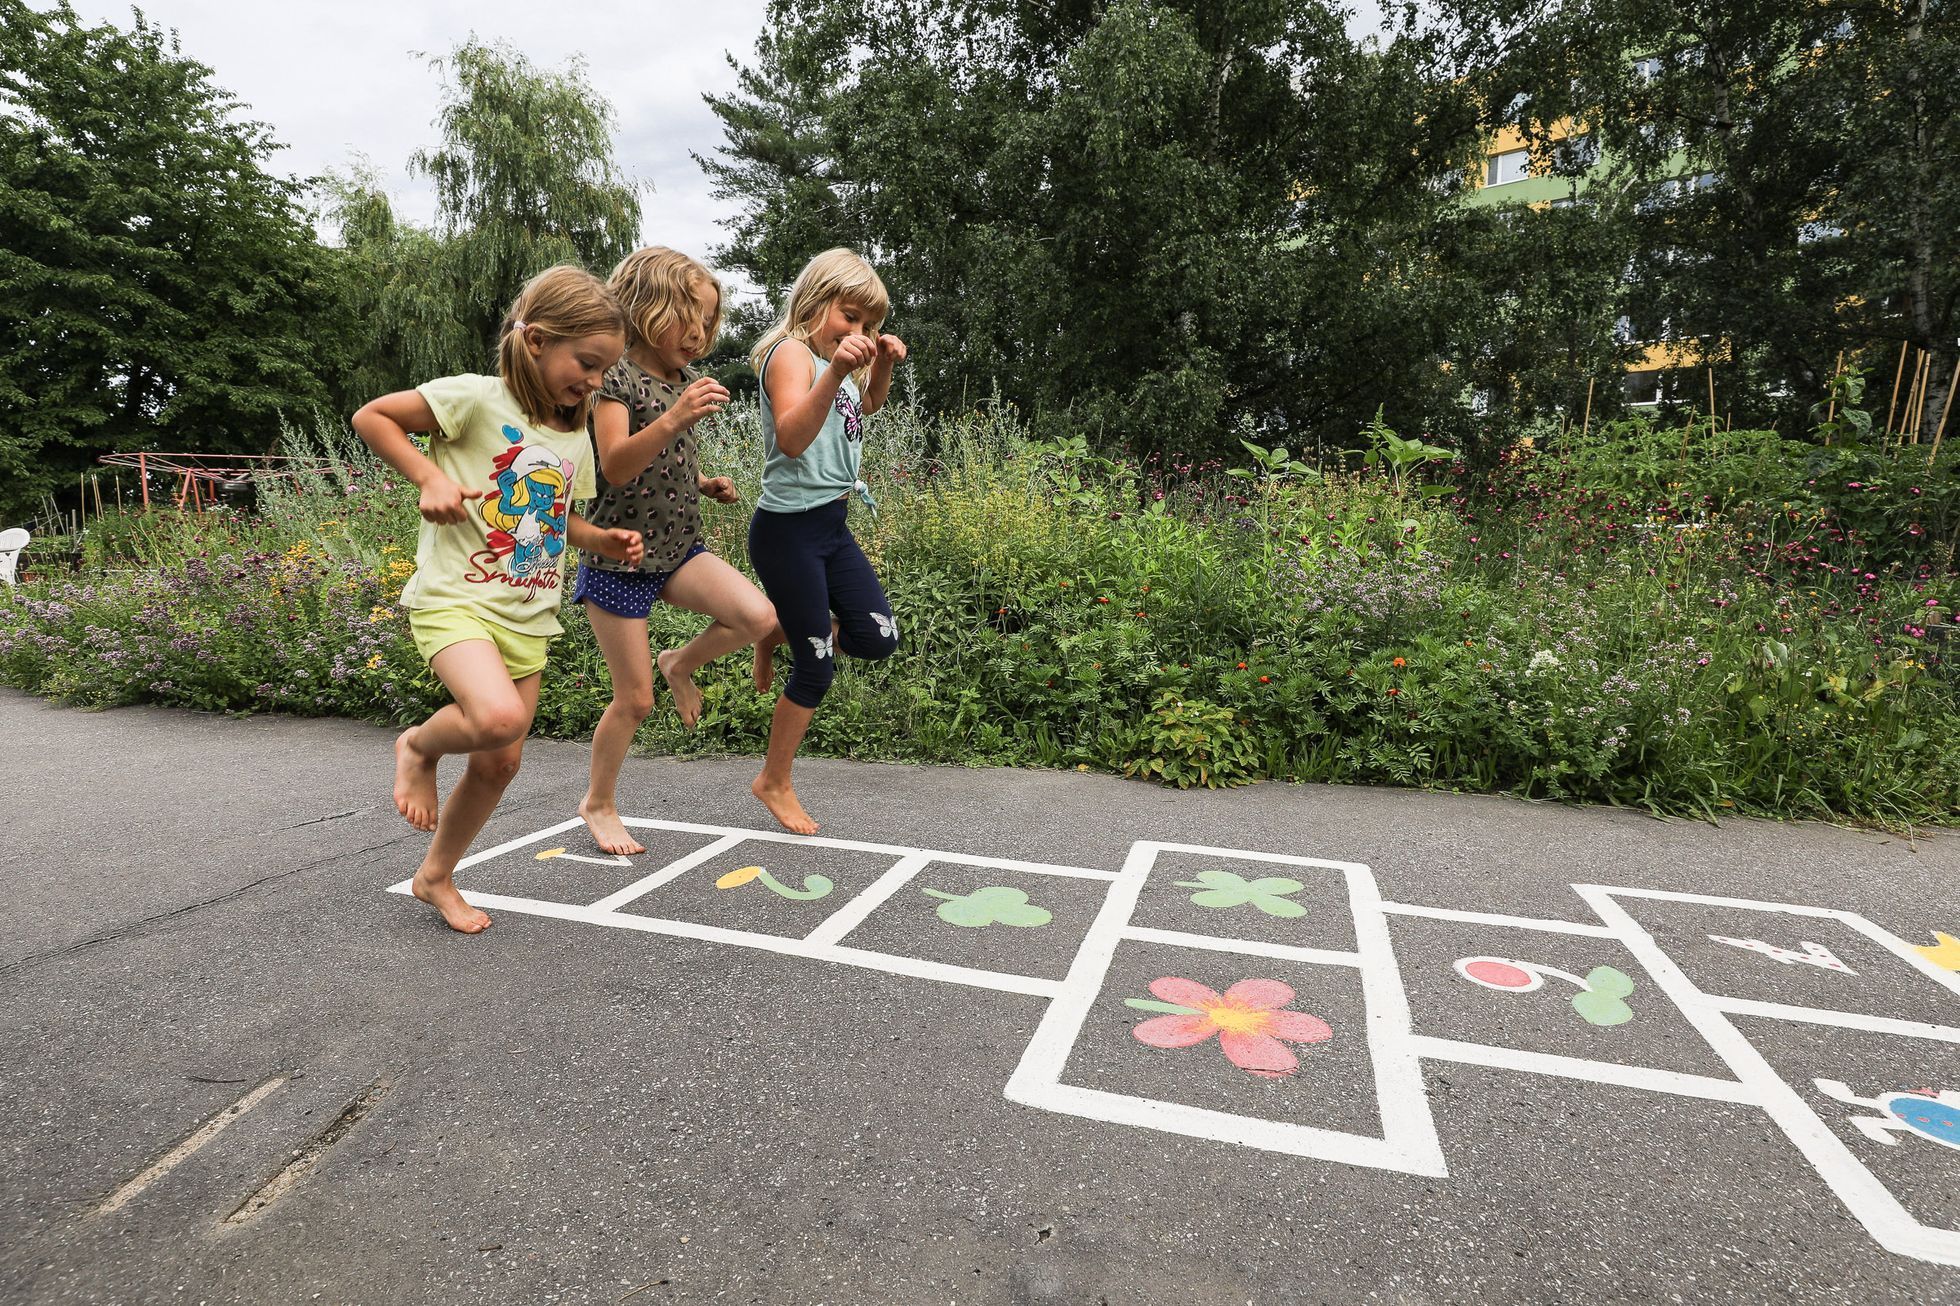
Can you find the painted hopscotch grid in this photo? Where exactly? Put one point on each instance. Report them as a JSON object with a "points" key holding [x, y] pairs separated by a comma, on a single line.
{"points": [[823, 943], [1408, 1143]]}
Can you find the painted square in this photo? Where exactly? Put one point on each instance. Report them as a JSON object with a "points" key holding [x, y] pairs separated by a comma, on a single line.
{"points": [[1222, 894], [1766, 955], [1313, 1069], [1910, 1139], [1529, 990], [766, 887], [568, 867], [987, 918]]}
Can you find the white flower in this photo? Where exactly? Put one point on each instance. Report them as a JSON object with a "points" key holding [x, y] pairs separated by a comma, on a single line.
{"points": [[1545, 660]]}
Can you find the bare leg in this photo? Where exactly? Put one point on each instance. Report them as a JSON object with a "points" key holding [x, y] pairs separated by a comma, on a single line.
{"points": [[773, 786], [764, 670], [484, 780], [624, 642], [707, 585], [486, 713]]}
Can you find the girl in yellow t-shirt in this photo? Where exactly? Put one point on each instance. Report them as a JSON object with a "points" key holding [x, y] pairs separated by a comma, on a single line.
{"points": [[506, 456]]}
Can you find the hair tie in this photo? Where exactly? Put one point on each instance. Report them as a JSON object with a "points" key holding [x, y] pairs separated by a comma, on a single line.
{"points": [[519, 325]]}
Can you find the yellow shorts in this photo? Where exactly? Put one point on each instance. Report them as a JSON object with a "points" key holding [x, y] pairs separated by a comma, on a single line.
{"points": [[435, 629]]}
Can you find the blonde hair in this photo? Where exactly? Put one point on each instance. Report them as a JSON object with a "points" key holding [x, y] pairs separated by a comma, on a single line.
{"points": [[832, 275], [658, 287], [563, 303]]}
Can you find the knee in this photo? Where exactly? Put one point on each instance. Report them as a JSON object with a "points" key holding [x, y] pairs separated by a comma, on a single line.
{"points": [[636, 703], [809, 682], [757, 622], [497, 767], [498, 727]]}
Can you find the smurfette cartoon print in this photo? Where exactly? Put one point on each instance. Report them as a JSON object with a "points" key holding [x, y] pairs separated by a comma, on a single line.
{"points": [[527, 516]]}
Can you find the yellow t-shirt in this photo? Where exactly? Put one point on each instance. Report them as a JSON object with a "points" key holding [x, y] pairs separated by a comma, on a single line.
{"points": [[507, 561]]}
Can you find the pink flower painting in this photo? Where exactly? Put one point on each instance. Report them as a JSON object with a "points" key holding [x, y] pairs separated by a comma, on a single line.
{"points": [[1249, 1018]]}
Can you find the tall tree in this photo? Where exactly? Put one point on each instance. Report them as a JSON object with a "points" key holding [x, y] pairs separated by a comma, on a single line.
{"points": [[157, 284], [524, 178], [1154, 221], [1819, 141]]}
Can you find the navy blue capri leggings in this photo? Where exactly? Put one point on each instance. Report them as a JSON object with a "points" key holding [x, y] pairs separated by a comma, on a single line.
{"points": [[811, 567]]}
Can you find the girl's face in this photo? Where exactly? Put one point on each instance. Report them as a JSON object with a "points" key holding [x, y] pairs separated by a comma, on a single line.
{"points": [[842, 318], [573, 366], [687, 338]]}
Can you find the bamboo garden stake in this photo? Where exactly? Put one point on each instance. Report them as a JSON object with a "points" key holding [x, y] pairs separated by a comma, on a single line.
{"points": [[1945, 408], [1898, 374]]}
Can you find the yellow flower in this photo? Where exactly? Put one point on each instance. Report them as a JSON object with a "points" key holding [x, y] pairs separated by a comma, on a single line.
{"points": [[374, 662], [378, 614]]}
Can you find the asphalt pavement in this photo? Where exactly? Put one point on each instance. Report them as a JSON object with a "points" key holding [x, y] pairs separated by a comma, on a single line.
{"points": [[992, 1037]]}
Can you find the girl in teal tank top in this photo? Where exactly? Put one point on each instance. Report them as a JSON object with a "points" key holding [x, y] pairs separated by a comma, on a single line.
{"points": [[824, 368]]}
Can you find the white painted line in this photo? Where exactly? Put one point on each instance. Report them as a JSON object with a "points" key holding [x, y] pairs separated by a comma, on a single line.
{"points": [[1863, 1194], [1492, 918], [920, 968], [1040, 1067], [1899, 948], [853, 845], [183, 1152], [1595, 1072], [1839, 1019], [1242, 855], [770, 836], [1032, 868], [887, 962], [852, 914], [1399, 1094], [1244, 947], [501, 849], [672, 870]]}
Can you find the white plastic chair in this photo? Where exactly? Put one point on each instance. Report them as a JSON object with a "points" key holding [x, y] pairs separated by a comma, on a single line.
{"points": [[12, 541]]}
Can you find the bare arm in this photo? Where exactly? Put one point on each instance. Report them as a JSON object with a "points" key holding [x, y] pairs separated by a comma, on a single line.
{"points": [[384, 424], [878, 386], [801, 394], [623, 455], [621, 545]]}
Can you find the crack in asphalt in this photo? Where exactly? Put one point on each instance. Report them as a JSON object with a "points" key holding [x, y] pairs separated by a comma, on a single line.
{"points": [[131, 927]]}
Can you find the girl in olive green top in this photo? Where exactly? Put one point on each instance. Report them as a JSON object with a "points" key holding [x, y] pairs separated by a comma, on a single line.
{"points": [[651, 483]]}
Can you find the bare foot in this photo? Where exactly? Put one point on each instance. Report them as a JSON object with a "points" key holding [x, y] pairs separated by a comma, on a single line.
{"points": [[607, 828], [687, 695], [782, 803], [415, 784], [444, 897]]}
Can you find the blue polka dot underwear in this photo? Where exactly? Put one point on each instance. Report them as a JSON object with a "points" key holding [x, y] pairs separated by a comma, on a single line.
{"points": [[626, 593]]}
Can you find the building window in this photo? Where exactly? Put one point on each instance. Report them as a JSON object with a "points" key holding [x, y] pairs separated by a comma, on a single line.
{"points": [[1647, 69], [1578, 151], [1510, 166], [1643, 389]]}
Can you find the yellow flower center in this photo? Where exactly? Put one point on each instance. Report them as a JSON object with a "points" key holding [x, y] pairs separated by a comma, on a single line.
{"points": [[1235, 1019]]}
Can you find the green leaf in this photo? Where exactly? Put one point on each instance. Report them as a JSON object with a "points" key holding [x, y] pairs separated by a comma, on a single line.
{"points": [[1225, 889], [1601, 1008], [994, 905], [1604, 979]]}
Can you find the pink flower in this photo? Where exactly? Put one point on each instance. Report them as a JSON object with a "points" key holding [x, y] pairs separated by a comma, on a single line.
{"points": [[1248, 1020]]}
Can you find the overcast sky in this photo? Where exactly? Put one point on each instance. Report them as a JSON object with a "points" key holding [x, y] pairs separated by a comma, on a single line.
{"points": [[350, 78]]}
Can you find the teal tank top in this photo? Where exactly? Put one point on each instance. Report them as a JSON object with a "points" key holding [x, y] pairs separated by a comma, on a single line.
{"points": [[828, 469]]}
